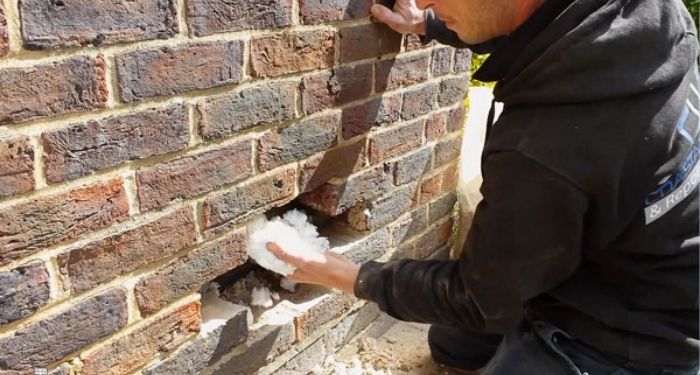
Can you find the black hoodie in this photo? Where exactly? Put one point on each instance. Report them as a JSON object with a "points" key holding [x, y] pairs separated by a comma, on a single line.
{"points": [[590, 213]]}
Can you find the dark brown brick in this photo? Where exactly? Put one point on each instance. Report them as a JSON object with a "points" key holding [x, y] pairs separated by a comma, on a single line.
{"points": [[23, 291], [436, 126], [360, 118], [395, 141], [447, 151], [453, 90], [4, 37], [187, 273], [94, 145], [78, 325], [129, 352], [336, 163], [333, 199], [30, 226], [442, 61], [16, 166], [418, 101], [206, 17], [367, 41], [67, 86], [455, 120], [320, 11], [336, 87], [100, 261], [463, 60], [53, 24], [170, 71], [322, 312], [263, 105], [225, 210], [433, 239], [379, 212], [298, 141], [442, 207], [192, 175], [412, 166], [404, 70], [291, 52], [416, 222]]}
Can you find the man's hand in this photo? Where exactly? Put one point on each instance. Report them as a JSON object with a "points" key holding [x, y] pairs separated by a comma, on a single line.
{"points": [[406, 18], [329, 269]]}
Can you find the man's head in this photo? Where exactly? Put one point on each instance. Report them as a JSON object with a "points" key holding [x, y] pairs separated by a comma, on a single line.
{"points": [[476, 21]]}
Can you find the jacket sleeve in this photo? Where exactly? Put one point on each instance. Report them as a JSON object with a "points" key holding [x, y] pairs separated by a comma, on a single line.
{"points": [[525, 239], [435, 29]]}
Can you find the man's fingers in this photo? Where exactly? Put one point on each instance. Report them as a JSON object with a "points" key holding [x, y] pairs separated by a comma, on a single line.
{"points": [[387, 16], [283, 255]]}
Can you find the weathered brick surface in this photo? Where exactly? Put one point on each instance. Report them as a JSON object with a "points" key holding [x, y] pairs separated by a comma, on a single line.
{"points": [[16, 166], [61, 370], [433, 239], [371, 247], [333, 200], [453, 90], [377, 213], [192, 175], [455, 120], [127, 353], [320, 11], [78, 325], [97, 262], [395, 141], [309, 358], [463, 60], [435, 126], [349, 327], [412, 166], [291, 52], [23, 290], [338, 86], [430, 188], [227, 209], [418, 101], [336, 163], [367, 41], [450, 178], [67, 86], [4, 38], [263, 345], [441, 63], [187, 273], [169, 71], [262, 105], [416, 222], [360, 118], [442, 207], [412, 42], [447, 150], [28, 227], [402, 71], [298, 141], [86, 147], [330, 306], [52, 24], [206, 17]]}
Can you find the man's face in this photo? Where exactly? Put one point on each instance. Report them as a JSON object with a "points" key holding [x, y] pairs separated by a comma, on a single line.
{"points": [[474, 21]]}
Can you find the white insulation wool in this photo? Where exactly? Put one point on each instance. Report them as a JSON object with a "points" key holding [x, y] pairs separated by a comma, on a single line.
{"points": [[293, 232]]}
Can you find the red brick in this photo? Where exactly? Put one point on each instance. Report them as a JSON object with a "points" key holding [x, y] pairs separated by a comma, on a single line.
{"points": [[30, 226], [76, 326], [395, 142], [379, 212], [290, 52], [436, 126], [447, 151], [334, 200], [86, 147], [4, 37], [88, 266], [404, 70], [450, 178], [453, 90], [170, 71], [53, 24], [224, 211], [262, 105], [336, 87], [433, 239], [16, 166], [442, 61], [192, 175], [207, 17], [360, 118], [413, 166], [336, 163], [463, 60], [368, 41], [298, 141], [456, 119], [418, 101], [129, 352], [67, 86], [320, 11], [430, 188], [188, 273], [23, 291]]}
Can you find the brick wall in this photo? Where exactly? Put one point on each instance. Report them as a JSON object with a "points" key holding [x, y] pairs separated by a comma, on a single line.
{"points": [[136, 139]]}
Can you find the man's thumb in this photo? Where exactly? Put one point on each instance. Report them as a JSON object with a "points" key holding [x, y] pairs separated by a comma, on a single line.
{"points": [[386, 15]]}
